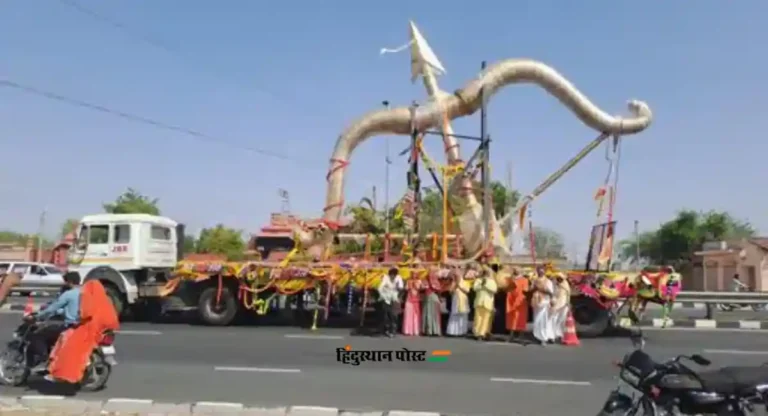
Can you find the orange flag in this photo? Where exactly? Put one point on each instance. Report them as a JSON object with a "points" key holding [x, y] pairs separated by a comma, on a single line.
{"points": [[600, 193], [600, 198]]}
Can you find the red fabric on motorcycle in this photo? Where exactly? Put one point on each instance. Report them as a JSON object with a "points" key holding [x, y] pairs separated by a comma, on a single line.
{"points": [[69, 357]]}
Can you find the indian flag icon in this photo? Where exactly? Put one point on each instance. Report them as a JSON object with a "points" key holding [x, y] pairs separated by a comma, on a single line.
{"points": [[439, 356]]}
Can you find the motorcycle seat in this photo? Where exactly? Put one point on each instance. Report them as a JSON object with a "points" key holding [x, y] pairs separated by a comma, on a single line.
{"points": [[734, 380]]}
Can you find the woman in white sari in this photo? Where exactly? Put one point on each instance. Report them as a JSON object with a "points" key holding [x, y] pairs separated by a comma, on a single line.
{"points": [[543, 329], [560, 306]]}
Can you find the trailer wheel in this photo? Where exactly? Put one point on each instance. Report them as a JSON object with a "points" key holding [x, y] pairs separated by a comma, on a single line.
{"points": [[221, 315]]}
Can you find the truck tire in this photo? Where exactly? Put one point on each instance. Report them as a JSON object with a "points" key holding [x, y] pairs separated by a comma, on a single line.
{"points": [[117, 298], [111, 280], [210, 314], [592, 320]]}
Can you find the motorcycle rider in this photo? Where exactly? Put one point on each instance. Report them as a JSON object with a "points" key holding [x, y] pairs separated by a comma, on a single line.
{"points": [[738, 285], [67, 305]]}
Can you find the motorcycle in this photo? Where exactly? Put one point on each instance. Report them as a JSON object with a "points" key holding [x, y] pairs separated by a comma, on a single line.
{"points": [[672, 388], [729, 307], [15, 369]]}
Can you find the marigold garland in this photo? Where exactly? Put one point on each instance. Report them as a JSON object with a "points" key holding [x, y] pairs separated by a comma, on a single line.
{"points": [[256, 278]]}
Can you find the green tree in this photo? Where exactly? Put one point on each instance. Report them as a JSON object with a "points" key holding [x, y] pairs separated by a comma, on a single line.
{"points": [[431, 214], [675, 241], [364, 220], [548, 243], [11, 237], [68, 226], [21, 239], [222, 240], [133, 202], [190, 244], [503, 199]]}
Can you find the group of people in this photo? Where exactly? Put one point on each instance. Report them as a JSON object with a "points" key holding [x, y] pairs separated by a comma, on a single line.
{"points": [[421, 307]]}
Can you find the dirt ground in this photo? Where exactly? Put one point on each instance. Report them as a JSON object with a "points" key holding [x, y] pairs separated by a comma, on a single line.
{"points": [[54, 413]]}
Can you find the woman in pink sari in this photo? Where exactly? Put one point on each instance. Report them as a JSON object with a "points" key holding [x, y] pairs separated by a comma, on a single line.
{"points": [[412, 310]]}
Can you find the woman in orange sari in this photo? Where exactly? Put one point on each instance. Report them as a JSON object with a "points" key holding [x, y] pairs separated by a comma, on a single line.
{"points": [[70, 355], [517, 305]]}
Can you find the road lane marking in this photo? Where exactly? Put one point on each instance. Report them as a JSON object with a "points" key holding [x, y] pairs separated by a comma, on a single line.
{"points": [[311, 336], [536, 381], [257, 370], [736, 352], [230, 405], [132, 401], [138, 332]]}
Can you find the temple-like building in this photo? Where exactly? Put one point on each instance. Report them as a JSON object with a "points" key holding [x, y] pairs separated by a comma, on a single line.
{"points": [[275, 240]]}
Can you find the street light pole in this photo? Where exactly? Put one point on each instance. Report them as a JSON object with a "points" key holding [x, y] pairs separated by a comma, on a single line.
{"points": [[387, 162], [637, 244], [40, 229]]}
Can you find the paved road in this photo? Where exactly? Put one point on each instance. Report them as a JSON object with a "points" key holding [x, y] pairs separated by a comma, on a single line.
{"points": [[181, 363]]}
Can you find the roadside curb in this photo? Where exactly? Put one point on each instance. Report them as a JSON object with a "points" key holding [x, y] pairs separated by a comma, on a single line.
{"points": [[691, 305], [703, 324], [61, 405]]}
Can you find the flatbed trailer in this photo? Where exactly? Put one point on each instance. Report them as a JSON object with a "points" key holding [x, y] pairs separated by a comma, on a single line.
{"points": [[220, 292]]}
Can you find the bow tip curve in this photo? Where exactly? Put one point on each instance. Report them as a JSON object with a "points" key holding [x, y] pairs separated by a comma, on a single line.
{"points": [[639, 108]]}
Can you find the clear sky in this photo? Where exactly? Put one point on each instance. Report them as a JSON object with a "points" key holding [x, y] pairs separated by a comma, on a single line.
{"points": [[287, 77]]}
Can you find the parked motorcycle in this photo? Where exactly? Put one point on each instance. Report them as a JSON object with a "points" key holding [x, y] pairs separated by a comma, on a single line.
{"points": [[15, 369], [672, 388]]}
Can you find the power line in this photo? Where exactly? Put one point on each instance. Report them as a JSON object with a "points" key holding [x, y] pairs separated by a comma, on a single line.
{"points": [[152, 41], [154, 123], [138, 119], [119, 26], [143, 37]]}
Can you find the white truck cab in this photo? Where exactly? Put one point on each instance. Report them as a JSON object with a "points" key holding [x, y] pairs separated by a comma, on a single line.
{"points": [[131, 254]]}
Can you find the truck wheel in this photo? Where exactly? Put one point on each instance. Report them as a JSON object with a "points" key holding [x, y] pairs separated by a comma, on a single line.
{"points": [[592, 320], [117, 298], [217, 315]]}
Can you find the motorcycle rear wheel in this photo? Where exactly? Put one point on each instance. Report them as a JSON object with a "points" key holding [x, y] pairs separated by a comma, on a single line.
{"points": [[13, 368], [643, 408], [96, 374]]}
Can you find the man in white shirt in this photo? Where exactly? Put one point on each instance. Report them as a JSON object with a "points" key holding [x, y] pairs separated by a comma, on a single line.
{"points": [[389, 293], [738, 285]]}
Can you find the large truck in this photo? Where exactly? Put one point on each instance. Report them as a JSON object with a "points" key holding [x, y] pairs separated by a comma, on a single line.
{"points": [[133, 255]]}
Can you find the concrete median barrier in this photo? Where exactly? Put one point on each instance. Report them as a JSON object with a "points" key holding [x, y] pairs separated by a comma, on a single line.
{"points": [[63, 406]]}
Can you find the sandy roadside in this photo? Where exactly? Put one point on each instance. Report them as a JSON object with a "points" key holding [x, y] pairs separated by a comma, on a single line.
{"points": [[56, 413]]}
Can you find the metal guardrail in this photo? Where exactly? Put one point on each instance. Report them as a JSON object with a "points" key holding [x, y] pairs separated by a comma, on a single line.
{"points": [[723, 297], [712, 299]]}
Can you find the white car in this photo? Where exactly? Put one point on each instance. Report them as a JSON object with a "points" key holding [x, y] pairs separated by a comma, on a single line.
{"points": [[36, 277]]}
